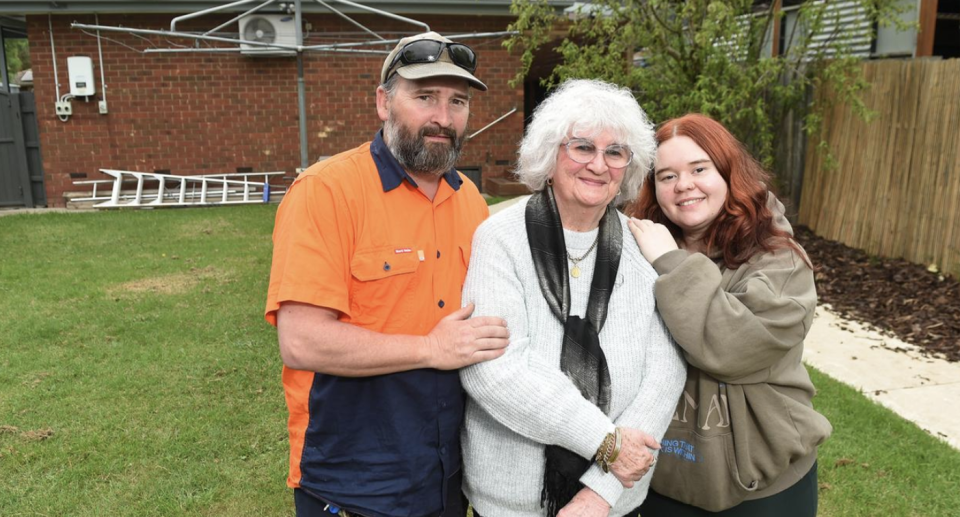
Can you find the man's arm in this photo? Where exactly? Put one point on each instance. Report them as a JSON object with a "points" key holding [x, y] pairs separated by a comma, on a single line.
{"points": [[312, 338]]}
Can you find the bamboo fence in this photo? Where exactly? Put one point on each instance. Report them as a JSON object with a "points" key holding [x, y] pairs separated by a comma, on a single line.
{"points": [[896, 189]]}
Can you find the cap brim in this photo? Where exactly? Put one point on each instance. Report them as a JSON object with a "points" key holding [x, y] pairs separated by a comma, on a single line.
{"points": [[439, 69]]}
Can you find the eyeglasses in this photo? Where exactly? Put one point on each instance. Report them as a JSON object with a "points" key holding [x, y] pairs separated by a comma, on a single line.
{"points": [[583, 151], [428, 51]]}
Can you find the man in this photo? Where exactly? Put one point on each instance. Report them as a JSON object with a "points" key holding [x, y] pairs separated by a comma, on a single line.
{"points": [[370, 253]]}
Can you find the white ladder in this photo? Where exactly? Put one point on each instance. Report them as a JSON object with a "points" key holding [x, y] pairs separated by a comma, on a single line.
{"points": [[172, 190]]}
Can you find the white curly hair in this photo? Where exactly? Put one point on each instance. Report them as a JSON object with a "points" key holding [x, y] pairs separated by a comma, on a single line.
{"points": [[584, 108]]}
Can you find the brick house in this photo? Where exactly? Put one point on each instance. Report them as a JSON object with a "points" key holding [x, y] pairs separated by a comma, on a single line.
{"points": [[208, 113]]}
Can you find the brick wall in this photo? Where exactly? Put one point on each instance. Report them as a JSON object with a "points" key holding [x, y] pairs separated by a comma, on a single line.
{"points": [[213, 113]]}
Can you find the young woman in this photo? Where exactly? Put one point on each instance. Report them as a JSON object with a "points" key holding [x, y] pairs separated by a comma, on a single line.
{"points": [[737, 293]]}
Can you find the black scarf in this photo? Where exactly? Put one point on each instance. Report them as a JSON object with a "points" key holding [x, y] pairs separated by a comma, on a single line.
{"points": [[581, 357]]}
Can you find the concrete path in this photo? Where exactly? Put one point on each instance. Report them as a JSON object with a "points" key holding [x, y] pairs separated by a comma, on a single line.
{"points": [[894, 373], [504, 204]]}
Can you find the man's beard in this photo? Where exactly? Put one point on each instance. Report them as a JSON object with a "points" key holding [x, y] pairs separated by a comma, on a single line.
{"points": [[418, 156]]}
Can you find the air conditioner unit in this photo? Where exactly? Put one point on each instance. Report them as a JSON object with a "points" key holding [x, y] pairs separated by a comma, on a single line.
{"points": [[268, 28]]}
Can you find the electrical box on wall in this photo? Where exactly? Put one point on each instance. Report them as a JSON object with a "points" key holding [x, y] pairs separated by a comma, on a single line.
{"points": [[80, 69]]}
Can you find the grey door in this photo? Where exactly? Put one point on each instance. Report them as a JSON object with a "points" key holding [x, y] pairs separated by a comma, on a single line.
{"points": [[31, 143], [21, 174]]}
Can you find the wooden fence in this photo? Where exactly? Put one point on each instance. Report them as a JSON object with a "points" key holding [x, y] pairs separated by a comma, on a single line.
{"points": [[896, 189]]}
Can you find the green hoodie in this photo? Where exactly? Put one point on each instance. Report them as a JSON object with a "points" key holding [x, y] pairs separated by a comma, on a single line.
{"points": [[744, 427]]}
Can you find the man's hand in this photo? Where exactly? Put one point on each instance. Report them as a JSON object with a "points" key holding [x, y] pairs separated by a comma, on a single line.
{"points": [[635, 458], [314, 339], [654, 239], [586, 503], [458, 340]]}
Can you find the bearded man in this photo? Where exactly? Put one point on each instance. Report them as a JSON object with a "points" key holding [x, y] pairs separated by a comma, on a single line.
{"points": [[370, 254]]}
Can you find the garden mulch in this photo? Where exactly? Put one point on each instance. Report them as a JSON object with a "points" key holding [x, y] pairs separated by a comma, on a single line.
{"points": [[896, 297]]}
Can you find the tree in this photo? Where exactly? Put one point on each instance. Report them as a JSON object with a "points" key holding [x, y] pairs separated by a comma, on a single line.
{"points": [[707, 56], [18, 55]]}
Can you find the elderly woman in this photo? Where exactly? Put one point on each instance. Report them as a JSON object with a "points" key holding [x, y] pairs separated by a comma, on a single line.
{"points": [[568, 420]]}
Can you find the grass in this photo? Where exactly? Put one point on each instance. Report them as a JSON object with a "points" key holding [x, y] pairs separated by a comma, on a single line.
{"points": [[877, 463], [137, 377], [492, 200]]}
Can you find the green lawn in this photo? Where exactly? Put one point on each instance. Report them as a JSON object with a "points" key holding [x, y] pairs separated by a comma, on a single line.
{"points": [[137, 377], [878, 464], [137, 339]]}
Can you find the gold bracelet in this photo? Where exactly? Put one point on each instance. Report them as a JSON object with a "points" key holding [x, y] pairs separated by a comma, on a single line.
{"points": [[601, 456], [616, 448], [609, 450]]}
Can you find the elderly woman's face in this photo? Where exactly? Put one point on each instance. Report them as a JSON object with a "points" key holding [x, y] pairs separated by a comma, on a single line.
{"points": [[591, 185]]}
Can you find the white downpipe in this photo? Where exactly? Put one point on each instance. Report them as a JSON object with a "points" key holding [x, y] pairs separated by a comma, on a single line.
{"points": [[53, 52], [103, 80]]}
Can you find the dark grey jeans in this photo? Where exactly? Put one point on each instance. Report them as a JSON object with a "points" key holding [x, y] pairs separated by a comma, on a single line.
{"points": [[800, 500]]}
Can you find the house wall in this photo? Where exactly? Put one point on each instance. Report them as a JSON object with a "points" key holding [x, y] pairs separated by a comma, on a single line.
{"points": [[889, 42], [215, 113]]}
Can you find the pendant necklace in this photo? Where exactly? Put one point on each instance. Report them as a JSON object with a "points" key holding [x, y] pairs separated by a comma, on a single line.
{"points": [[575, 271]]}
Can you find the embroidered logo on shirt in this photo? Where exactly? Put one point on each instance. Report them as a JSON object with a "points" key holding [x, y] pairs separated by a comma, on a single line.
{"points": [[680, 449], [402, 250]]}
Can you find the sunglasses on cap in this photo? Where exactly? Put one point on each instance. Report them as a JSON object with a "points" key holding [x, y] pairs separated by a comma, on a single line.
{"points": [[428, 51]]}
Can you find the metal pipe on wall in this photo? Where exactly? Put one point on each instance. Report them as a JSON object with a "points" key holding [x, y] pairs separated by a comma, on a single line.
{"points": [[103, 79], [53, 53], [301, 87]]}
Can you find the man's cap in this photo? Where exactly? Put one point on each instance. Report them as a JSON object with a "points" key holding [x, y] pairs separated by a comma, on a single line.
{"points": [[443, 67]]}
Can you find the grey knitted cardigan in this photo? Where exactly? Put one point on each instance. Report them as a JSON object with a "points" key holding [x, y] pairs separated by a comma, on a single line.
{"points": [[521, 401]]}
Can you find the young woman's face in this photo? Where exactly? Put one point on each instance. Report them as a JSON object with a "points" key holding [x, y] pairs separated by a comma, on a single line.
{"points": [[690, 190]]}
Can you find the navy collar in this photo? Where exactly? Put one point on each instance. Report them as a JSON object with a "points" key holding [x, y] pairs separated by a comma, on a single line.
{"points": [[392, 173]]}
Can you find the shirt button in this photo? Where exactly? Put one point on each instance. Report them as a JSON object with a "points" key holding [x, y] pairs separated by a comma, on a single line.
{"points": [[386, 266], [441, 304], [438, 253], [443, 450], [443, 403]]}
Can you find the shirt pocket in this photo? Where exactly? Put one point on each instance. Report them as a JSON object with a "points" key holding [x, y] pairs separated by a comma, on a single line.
{"points": [[383, 277]]}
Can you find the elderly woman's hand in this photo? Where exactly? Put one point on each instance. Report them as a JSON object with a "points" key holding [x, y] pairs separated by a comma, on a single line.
{"points": [[635, 458], [653, 238], [586, 503]]}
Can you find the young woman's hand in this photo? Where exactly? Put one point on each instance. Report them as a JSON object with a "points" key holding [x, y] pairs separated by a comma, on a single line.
{"points": [[653, 238]]}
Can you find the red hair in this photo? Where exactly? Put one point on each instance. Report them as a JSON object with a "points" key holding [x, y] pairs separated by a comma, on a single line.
{"points": [[745, 226]]}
